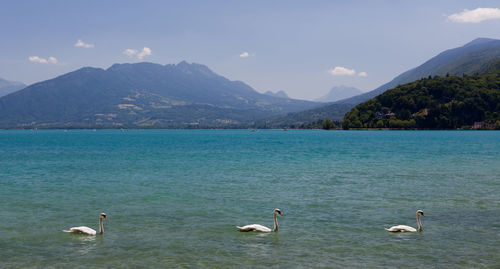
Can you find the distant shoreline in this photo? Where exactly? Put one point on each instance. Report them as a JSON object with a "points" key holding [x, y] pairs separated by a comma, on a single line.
{"points": [[233, 128]]}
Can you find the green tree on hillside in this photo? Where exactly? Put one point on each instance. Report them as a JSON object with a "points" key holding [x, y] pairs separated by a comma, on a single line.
{"points": [[432, 103], [328, 124]]}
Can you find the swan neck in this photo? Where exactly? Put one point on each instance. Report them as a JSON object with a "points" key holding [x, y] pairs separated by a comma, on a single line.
{"points": [[275, 222], [101, 227], [419, 223]]}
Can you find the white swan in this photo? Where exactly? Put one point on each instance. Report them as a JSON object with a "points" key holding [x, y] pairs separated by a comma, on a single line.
{"points": [[261, 228], [87, 230], [404, 228]]}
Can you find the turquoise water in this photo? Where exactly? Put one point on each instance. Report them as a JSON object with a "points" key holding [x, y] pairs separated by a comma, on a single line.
{"points": [[173, 198]]}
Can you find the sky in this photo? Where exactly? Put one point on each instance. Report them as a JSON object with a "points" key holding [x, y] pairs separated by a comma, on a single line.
{"points": [[301, 47]]}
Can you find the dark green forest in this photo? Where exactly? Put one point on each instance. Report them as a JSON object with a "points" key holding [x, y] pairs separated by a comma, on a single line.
{"points": [[450, 102]]}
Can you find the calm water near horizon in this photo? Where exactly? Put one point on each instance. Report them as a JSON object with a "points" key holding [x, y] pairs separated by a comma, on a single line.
{"points": [[174, 197]]}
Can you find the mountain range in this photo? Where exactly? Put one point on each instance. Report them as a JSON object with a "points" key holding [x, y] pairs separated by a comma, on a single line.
{"points": [[468, 59], [474, 57], [184, 95], [141, 95]]}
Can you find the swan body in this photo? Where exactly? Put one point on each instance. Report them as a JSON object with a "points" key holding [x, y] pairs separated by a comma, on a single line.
{"points": [[401, 228], [261, 228], [81, 230], [405, 228], [254, 228], [87, 230]]}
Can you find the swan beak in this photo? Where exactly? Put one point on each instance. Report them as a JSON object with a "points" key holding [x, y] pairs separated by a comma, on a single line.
{"points": [[281, 214], [105, 217]]}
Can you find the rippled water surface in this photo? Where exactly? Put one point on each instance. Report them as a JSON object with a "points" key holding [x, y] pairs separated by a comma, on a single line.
{"points": [[174, 197]]}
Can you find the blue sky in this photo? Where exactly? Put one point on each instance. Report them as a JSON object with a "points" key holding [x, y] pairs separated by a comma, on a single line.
{"points": [[301, 47]]}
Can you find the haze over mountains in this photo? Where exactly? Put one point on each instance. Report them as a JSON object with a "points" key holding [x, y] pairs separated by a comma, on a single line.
{"points": [[280, 94], [338, 93], [7, 87], [468, 59], [148, 95], [474, 57], [142, 95]]}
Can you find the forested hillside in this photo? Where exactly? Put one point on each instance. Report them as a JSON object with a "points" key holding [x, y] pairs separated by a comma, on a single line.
{"points": [[448, 102]]}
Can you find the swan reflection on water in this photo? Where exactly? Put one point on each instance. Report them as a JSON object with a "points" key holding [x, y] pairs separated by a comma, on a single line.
{"points": [[86, 239], [261, 243], [86, 244]]}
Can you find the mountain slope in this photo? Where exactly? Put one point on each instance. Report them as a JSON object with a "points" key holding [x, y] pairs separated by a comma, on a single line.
{"points": [[477, 56], [467, 59], [140, 95], [7, 87], [433, 103], [338, 93]]}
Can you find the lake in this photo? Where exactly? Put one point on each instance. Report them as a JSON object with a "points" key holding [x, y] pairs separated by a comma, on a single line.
{"points": [[174, 198]]}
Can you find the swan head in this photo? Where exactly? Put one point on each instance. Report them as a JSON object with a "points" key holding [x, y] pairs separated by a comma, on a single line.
{"points": [[420, 212], [277, 211], [103, 216]]}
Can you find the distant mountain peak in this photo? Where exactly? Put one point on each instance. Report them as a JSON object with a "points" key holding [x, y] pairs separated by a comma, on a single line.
{"points": [[7, 86], [280, 94], [4, 82], [338, 93], [125, 66], [467, 59], [183, 67], [142, 95], [192, 67]]}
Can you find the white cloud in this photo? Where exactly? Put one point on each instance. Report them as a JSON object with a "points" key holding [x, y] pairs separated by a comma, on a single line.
{"points": [[82, 44], [36, 59], [130, 52], [139, 54], [245, 54], [342, 71], [362, 74], [475, 16], [52, 60], [144, 52]]}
